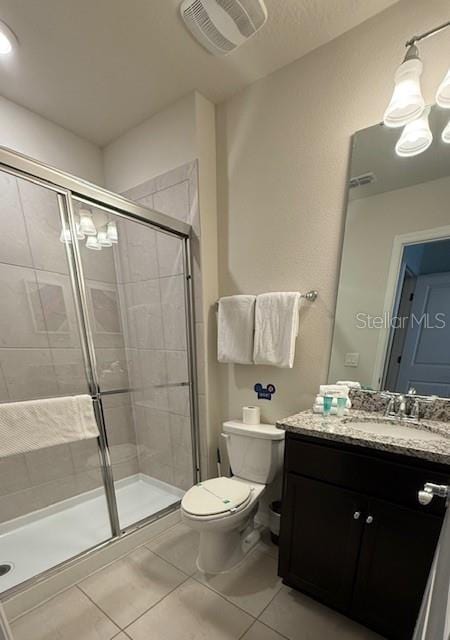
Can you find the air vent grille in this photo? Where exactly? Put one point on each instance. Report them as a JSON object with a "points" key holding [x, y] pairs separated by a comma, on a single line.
{"points": [[360, 181], [200, 23], [223, 25]]}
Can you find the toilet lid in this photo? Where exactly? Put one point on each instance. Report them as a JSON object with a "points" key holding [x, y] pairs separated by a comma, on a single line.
{"points": [[215, 496]]}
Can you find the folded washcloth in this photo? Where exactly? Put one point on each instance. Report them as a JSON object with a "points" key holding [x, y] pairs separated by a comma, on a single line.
{"points": [[276, 329], [337, 390], [318, 408], [351, 384], [37, 424], [235, 329], [319, 401]]}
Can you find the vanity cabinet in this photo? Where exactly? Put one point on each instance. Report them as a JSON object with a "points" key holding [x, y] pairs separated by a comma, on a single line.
{"points": [[353, 534]]}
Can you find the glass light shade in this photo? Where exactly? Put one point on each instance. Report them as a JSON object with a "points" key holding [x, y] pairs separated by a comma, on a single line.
{"points": [[407, 102], [65, 236], [416, 137], [80, 234], [87, 225], [102, 239], [91, 243], [7, 39], [446, 134], [111, 232], [443, 93]]}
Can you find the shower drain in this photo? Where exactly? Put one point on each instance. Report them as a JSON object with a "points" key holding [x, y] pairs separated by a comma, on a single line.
{"points": [[5, 568]]}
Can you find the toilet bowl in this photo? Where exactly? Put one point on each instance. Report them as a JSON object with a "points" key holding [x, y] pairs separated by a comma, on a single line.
{"points": [[223, 509]]}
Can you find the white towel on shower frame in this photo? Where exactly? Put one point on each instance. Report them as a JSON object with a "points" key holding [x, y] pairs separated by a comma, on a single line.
{"points": [[37, 424]]}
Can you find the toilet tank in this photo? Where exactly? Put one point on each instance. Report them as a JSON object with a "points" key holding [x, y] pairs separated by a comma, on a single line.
{"points": [[255, 451]]}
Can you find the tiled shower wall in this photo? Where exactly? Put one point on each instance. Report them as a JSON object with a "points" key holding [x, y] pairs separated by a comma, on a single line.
{"points": [[165, 418]]}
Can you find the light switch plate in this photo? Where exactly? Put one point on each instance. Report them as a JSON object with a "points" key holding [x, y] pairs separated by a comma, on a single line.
{"points": [[351, 360]]}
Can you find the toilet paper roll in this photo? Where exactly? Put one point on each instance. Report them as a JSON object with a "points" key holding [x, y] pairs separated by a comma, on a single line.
{"points": [[251, 415]]}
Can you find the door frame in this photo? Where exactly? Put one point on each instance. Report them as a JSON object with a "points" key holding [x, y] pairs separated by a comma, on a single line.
{"points": [[385, 336]]}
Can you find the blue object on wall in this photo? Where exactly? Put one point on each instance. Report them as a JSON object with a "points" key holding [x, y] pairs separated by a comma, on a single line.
{"points": [[264, 393]]}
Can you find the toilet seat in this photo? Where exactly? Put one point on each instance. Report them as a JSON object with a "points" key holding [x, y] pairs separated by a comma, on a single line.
{"points": [[216, 497]]}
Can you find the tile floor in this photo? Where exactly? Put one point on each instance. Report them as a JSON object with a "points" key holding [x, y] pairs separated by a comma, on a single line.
{"points": [[156, 593]]}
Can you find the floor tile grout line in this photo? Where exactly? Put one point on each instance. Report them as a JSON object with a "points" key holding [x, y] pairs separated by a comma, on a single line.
{"points": [[269, 603], [99, 608], [155, 604], [224, 597]]}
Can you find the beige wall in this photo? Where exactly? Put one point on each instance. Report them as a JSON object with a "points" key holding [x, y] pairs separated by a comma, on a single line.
{"points": [[283, 150], [34, 136], [372, 225]]}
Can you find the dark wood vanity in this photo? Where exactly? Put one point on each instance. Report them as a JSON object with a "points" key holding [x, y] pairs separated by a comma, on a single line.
{"points": [[353, 534]]}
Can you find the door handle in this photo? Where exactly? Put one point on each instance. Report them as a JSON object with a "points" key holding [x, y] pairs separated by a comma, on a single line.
{"points": [[357, 515], [369, 519]]}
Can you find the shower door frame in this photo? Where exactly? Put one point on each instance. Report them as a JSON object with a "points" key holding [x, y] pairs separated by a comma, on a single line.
{"points": [[66, 187]]}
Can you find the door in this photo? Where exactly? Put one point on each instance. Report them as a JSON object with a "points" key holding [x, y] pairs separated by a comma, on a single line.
{"points": [[425, 362], [322, 527], [396, 555]]}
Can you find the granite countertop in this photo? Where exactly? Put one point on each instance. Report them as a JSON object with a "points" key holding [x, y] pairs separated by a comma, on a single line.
{"points": [[340, 430]]}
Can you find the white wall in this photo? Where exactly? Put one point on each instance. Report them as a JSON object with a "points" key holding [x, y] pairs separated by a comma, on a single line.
{"points": [[157, 145], [30, 134], [283, 150]]}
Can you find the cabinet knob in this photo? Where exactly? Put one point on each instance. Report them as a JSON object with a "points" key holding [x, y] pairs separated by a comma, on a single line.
{"points": [[357, 515], [369, 519]]}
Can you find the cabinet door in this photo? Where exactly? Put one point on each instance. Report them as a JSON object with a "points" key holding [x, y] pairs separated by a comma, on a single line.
{"points": [[320, 539], [396, 555]]}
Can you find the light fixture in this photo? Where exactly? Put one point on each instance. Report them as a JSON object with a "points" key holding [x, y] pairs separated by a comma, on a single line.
{"points": [[446, 134], [111, 232], [92, 243], [407, 102], [87, 226], [8, 39], [416, 136], [102, 238], [443, 93], [65, 236]]}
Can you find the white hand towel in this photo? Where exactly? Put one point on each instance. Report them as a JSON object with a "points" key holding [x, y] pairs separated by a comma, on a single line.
{"points": [[276, 328], [351, 384], [235, 329], [37, 424]]}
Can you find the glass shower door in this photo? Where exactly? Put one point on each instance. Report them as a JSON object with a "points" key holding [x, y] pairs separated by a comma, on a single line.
{"points": [[52, 500], [134, 278]]}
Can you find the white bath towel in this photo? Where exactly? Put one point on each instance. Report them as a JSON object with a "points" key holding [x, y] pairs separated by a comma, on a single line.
{"points": [[235, 329], [351, 384], [37, 424], [276, 328]]}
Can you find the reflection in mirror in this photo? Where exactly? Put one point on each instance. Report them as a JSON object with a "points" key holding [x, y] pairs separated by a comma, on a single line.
{"points": [[392, 326]]}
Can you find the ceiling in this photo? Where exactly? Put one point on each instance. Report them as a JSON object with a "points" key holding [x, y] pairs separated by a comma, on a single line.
{"points": [[98, 67]]}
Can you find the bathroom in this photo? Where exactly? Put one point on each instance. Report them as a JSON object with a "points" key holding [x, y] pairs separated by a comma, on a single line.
{"points": [[146, 179]]}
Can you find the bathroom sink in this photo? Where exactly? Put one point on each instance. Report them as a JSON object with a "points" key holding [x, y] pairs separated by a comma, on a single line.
{"points": [[394, 430]]}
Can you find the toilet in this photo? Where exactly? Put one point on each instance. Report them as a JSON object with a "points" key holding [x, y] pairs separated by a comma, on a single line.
{"points": [[223, 509]]}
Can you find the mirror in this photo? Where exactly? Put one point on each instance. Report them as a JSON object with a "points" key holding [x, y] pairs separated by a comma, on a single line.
{"points": [[392, 324]]}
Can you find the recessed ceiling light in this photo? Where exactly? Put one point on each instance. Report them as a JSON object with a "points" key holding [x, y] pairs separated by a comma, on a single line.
{"points": [[8, 39]]}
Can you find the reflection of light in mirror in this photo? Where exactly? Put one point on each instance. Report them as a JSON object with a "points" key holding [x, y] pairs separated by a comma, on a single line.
{"points": [[102, 238], [112, 232], [65, 236], [443, 93], [446, 134], [92, 243], [407, 102], [7, 39], [416, 137], [87, 225]]}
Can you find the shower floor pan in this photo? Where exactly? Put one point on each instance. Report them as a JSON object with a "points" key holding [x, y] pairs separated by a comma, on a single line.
{"points": [[40, 540]]}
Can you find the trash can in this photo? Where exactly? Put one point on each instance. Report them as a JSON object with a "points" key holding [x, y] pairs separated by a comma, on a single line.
{"points": [[274, 520]]}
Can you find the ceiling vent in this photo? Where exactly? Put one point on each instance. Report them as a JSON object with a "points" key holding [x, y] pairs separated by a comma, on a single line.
{"points": [[360, 181], [221, 26]]}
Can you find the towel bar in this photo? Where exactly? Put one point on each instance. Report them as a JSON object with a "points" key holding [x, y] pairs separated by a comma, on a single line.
{"points": [[311, 296]]}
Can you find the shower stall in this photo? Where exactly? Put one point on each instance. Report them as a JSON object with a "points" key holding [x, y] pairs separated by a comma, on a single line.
{"points": [[96, 297]]}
